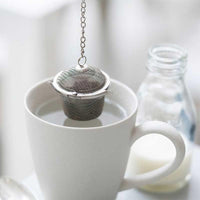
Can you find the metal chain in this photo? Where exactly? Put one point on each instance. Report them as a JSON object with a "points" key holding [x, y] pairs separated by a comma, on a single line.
{"points": [[82, 60]]}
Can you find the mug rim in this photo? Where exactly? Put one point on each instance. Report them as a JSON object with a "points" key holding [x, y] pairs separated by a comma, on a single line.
{"points": [[126, 118]]}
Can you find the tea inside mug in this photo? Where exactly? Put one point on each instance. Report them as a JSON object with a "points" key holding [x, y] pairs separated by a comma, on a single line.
{"points": [[43, 102], [52, 112]]}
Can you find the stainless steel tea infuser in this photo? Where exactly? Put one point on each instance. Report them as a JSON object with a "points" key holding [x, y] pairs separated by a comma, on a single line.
{"points": [[83, 87]]}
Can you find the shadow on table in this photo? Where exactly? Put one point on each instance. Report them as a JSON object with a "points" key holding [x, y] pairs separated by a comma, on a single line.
{"points": [[138, 194], [179, 195]]}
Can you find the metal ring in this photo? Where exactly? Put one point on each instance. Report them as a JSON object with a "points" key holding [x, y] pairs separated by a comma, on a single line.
{"points": [[83, 39], [83, 4], [83, 19], [82, 45], [83, 24], [84, 59], [83, 10]]}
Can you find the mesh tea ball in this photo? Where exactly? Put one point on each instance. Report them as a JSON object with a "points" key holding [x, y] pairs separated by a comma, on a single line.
{"points": [[82, 90]]}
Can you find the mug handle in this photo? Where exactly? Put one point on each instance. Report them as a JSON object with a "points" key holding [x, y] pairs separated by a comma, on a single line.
{"points": [[171, 133]]}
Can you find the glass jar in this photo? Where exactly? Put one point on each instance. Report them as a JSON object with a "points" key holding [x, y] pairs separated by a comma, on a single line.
{"points": [[163, 96]]}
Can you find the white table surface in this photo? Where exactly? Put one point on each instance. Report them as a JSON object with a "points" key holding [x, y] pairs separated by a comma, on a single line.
{"points": [[190, 192]]}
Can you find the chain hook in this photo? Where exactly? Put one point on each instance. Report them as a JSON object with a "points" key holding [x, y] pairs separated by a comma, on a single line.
{"points": [[82, 61]]}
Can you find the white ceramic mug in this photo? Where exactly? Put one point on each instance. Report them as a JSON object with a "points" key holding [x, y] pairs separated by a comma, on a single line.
{"points": [[90, 163]]}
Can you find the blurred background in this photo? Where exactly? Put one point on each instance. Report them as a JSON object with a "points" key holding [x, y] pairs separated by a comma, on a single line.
{"points": [[38, 38]]}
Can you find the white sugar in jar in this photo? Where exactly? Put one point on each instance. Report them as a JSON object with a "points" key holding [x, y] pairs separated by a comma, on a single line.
{"points": [[158, 152]]}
